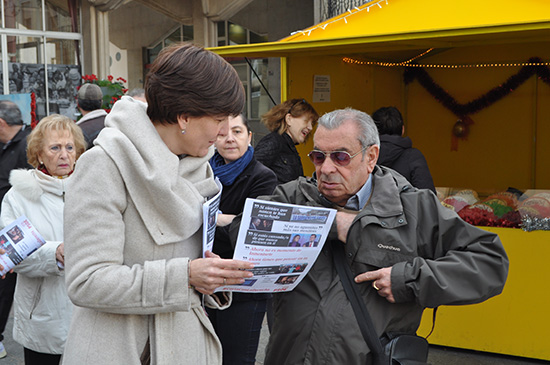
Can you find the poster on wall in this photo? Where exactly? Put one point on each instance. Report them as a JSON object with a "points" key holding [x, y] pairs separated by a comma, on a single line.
{"points": [[24, 102], [321, 88], [63, 82]]}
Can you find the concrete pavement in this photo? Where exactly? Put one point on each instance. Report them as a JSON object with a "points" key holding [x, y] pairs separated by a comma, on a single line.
{"points": [[438, 355]]}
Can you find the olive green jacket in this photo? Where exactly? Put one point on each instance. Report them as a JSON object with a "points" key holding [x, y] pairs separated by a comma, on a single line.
{"points": [[436, 259]]}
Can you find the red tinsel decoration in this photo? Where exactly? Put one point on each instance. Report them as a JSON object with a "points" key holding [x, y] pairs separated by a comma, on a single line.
{"points": [[34, 120]]}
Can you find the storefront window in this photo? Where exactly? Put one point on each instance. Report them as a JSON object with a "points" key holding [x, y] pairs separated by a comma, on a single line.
{"points": [[25, 49], [237, 34], [23, 14], [221, 34], [64, 76], [58, 16], [175, 37], [259, 100], [257, 38], [61, 51], [184, 33], [43, 72], [188, 33]]}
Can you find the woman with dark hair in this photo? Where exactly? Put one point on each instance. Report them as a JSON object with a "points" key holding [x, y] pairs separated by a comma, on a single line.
{"points": [[290, 124], [133, 220], [42, 309], [239, 326]]}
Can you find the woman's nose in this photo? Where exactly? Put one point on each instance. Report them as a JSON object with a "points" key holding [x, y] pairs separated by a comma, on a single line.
{"points": [[230, 137]]}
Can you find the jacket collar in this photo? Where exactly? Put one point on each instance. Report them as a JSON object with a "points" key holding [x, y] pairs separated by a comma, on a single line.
{"points": [[33, 183], [167, 191], [387, 187], [91, 115], [385, 199]]}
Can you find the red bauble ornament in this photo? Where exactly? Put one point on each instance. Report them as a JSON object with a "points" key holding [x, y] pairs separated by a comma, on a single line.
{"points": [[460, 129]]}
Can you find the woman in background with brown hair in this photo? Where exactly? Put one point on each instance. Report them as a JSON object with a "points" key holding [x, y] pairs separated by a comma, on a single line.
{"points": [[133, 220], [290, 124]]}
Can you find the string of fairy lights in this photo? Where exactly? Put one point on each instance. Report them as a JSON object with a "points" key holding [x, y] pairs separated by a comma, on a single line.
{"points": [[344, 18], [409, 63]]}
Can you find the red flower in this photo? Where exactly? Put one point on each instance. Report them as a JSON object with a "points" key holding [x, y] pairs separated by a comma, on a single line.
{"points": [[121, 79]]}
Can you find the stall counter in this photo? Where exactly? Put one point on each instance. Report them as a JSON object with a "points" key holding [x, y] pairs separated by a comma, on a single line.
{"points": [[517, 322]]}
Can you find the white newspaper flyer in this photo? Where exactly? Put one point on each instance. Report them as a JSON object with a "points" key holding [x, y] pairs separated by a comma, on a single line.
{"points": [[282, 240], [19, 239], [210, 218]]}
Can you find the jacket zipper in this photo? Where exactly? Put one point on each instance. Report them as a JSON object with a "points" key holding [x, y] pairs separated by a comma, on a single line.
{"points": [[36, 298]]}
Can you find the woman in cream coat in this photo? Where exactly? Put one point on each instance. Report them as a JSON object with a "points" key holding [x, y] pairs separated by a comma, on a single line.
{"points": [[133, 220], [42, 309]]}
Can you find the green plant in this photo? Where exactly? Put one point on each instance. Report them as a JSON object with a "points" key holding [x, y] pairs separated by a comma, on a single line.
{"points": [[112, 90]]}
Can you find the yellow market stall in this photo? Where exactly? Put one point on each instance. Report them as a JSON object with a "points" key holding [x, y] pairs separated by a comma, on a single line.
{"points": [[481, 65]]}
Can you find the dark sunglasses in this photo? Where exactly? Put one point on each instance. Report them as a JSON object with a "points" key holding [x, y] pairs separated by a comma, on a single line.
{"points": [[296, 103], [341, 158]]}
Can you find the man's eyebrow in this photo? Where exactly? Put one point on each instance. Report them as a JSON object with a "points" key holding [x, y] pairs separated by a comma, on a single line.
{"points": [[345, 149]]}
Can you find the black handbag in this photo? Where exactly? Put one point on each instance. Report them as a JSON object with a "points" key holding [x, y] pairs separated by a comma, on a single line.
{"points": [[394, 349]]}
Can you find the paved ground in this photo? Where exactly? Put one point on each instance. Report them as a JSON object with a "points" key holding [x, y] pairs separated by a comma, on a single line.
{"points": [[438, 355], [15, 350]]}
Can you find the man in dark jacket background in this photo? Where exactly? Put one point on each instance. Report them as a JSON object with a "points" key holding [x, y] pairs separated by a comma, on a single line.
{"points": [[89, 99], [406, 250], [397, 152], [13, 155]]}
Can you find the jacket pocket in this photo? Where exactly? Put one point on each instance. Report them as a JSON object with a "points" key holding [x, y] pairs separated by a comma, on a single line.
{"points": [[379, 258], [36, 298]]}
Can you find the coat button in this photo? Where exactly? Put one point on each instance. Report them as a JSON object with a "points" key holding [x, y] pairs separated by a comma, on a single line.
{"points": [[350, 255], [401, 220], [383, 224]]}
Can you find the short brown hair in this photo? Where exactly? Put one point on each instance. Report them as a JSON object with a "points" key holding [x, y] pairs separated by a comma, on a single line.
{"points": [[274, 119], [187, 80], [54, 122]]}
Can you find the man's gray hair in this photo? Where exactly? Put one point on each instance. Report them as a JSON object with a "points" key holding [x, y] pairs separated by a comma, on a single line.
{"points": [[368, 133], [9, 111], [136, 92]]}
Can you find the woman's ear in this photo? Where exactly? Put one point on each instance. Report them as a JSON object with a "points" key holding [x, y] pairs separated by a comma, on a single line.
{"points": [[288, 119], [183, 122]]}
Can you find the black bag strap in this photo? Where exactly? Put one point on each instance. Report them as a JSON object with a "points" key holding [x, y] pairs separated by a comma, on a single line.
{"points": [[361, 314]]}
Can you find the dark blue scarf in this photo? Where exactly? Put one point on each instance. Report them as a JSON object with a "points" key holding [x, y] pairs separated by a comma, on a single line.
{"points": [[227, 173]]}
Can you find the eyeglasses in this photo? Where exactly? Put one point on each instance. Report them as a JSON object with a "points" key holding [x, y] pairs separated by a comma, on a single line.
{"points": [[341, 158], [296, 103]]}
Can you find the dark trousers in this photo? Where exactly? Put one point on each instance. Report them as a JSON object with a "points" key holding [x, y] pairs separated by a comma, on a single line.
{"points": [[39, 358], [7, 288], [238, 328], [270, 317]]}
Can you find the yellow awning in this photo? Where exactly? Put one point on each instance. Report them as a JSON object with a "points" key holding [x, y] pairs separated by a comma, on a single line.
{"points": [[387, 26]]}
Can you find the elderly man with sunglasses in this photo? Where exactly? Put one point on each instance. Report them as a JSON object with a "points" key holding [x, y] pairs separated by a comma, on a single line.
{"points": [[406, 250]]}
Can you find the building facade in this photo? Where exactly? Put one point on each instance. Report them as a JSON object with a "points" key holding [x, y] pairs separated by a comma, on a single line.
{"points": [[48, 45]]}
